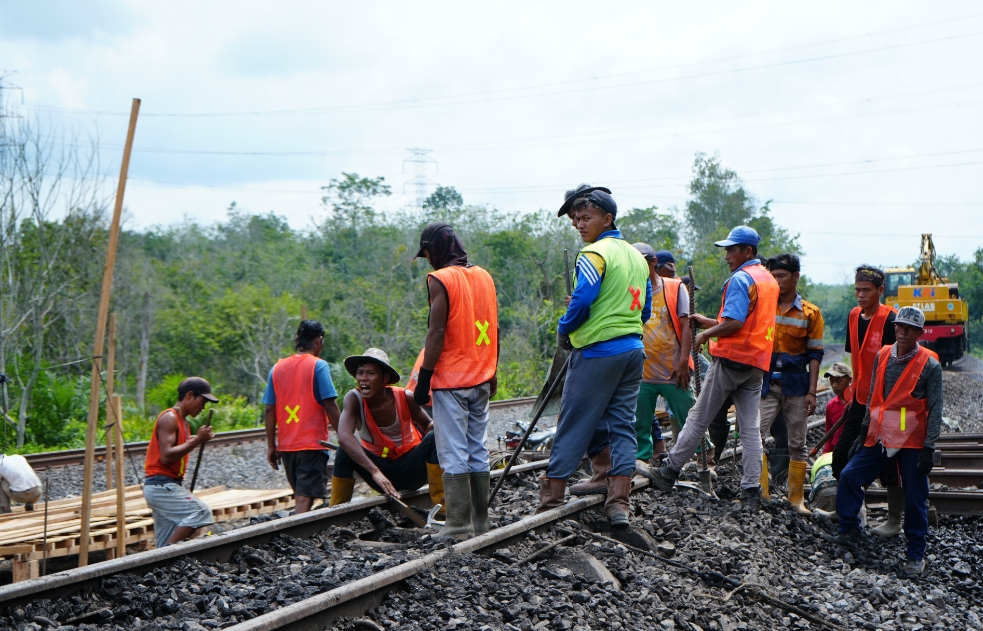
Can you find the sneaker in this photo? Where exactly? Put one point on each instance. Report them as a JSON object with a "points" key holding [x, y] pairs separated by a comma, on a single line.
{"points": [[914, 567], [849, 540], [664, 477], [751, 498]]}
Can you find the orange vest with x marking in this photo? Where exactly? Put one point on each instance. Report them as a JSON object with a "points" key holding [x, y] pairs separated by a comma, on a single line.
{"points": [[300, 420], [470, 355]]}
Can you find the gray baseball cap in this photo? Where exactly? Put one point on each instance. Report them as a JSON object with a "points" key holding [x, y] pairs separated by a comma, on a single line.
{"points": [[912, 316]]}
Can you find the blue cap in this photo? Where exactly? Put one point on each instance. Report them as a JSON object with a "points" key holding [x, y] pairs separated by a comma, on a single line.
{"points": [[741, 235], [664, 256]]}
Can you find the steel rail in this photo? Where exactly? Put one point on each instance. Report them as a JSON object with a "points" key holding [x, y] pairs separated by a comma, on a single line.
{"points": [[218, 547], [357, 597], [68, 457]]}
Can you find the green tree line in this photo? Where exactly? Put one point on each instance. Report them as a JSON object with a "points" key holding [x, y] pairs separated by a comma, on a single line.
{"points": [[223, 300]]}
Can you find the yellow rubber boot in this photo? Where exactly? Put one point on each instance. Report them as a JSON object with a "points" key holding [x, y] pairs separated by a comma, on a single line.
{"points": [[341, 490], [435, 480], [765, 495], [796, 479]]}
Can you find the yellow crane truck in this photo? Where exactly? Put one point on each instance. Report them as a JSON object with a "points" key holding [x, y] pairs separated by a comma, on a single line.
{"points": [[946, 314]]}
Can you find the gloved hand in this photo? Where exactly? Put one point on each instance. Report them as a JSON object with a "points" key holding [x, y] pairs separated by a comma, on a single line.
{"points": [[925, 461], [422, 393], [563, 341], [857, 444]]}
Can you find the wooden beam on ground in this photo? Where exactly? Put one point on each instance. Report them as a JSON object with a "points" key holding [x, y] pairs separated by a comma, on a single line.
{"points": [[107, 288], [120, 480], [110, 390]]}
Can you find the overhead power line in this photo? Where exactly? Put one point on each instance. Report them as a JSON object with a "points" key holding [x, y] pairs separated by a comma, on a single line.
{"points": [[632, 134], [508, 94]]}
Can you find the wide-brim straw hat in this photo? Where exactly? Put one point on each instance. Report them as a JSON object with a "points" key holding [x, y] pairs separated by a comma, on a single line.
{"points": [[375, 355]]}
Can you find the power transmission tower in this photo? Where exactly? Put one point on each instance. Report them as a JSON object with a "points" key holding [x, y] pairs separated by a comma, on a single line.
{"points": [[421, 165]]}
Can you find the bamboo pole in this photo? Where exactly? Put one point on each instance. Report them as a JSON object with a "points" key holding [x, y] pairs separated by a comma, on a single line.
{"points": [[107, 287], [110, 390], [120, 480]]}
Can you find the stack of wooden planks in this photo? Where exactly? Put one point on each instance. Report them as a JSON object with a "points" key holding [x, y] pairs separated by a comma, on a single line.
{"points": [[22, 532]]}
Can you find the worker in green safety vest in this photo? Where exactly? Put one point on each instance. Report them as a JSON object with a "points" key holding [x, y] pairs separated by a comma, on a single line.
{"points": [[603, 328]]}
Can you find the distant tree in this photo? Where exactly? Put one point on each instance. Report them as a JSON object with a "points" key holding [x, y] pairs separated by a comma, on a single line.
{"points": [[349, 200]]}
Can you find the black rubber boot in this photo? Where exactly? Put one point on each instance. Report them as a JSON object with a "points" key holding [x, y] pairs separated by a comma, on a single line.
{"points": [[849, 540]]}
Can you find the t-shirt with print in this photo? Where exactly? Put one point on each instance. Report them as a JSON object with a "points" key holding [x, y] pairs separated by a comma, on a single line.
{"points": [[661, 345]]}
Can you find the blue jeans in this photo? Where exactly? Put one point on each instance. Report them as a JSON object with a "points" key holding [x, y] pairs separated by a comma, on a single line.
{"points": [[862, 469], [598, 410]]}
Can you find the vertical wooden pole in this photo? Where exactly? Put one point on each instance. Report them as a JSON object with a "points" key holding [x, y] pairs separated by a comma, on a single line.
{"points": [[110, 389], [120, 480], [303, 312], [107, 287]]}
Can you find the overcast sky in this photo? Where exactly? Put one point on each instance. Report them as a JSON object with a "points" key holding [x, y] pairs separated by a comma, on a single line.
{"points": [[862, 121]]}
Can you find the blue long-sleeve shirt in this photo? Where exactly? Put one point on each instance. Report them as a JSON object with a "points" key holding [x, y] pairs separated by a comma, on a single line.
{"points": [[585, 293]]}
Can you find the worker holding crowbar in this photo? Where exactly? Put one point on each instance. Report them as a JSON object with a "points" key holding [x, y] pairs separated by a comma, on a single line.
{"points": [[602, 328], [178, 514]]}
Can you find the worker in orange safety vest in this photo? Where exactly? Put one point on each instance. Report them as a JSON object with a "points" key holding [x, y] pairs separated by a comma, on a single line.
{"points": [[902, 424], [744, 330], [460, 368], [383, 435], [300, 402]]}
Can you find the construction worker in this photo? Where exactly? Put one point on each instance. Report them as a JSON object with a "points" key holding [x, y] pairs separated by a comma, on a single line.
{"points": [[665, 267], [599, 447], [460, 366], [870, 326], [383, 435], [744, 332], [840, 377], [667, 341], [18, 482], [602, 328], [901, 425], [793, 375], [300, 402], [178, 515]]}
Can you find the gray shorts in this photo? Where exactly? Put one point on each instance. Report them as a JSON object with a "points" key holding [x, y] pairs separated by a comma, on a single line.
{"points": [[173, 506]]}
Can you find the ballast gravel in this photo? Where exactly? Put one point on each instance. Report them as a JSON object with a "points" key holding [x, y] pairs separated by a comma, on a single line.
{"points": [[771, 550]]}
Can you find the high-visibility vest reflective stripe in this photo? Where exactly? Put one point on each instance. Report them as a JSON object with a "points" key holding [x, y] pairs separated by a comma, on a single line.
{"points": [[470, 355], [670, 289], [300, 420], [862, 352], [381, 444], [900, 420], [153, 465], [752, 345]]}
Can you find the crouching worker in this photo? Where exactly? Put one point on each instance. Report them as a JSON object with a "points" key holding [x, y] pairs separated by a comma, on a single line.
{"points": [[383, 435], [18, 482], [177, 513], [902, 423]]}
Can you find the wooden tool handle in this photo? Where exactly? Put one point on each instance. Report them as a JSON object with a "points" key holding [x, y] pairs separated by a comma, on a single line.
{"points": [[566, 266], [201, 452]]}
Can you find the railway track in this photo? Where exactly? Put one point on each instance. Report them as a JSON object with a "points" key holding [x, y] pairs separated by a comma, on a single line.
{"points": [[68, 457], [351, 598]]}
